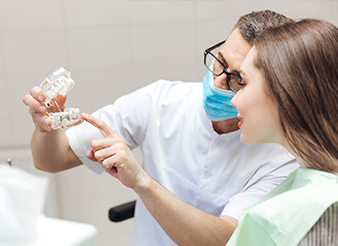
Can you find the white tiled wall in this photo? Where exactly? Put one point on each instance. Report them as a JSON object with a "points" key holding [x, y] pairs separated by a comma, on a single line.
{"points": [[112, 47]]}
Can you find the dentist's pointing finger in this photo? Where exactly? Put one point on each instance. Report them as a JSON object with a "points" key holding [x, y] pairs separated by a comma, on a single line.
{"points": [[99, 124], [114, 155]]}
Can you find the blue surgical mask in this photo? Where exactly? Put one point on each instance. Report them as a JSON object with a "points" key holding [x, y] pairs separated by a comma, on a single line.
{"points": [[216, 101]]}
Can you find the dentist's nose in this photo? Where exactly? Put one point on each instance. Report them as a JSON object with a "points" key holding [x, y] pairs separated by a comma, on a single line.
{"points": [[221, 81]]}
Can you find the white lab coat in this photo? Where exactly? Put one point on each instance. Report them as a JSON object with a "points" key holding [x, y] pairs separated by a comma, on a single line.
{"points": [[215, 173]]}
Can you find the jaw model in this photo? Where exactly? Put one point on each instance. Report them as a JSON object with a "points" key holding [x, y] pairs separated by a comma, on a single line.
{"points": [[60, 82]]}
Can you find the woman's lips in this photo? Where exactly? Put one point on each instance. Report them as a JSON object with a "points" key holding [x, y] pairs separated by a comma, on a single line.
{"points": [[240, 121]]}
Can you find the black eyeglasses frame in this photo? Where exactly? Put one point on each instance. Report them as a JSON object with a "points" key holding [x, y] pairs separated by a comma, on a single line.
{"points": [[208, 51]]}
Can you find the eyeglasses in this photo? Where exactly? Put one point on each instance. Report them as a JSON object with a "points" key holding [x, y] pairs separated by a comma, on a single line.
{"points": [[215, 66]]}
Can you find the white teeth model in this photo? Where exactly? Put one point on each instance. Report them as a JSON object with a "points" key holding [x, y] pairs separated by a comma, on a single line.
{"points": [[60, 82], [69, 117]]}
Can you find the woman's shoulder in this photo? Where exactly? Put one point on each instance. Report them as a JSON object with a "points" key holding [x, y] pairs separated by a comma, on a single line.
{"points": [[325, 231]]}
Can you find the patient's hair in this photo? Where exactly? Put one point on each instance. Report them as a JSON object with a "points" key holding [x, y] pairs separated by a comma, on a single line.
{"points": [[252, 24], [299, 62]]}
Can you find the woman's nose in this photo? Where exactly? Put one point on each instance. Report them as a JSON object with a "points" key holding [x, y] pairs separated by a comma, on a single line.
{"points": [[233, 100]]}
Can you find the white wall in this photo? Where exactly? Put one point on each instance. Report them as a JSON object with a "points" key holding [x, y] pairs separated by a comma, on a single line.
{"points": [[112, 47]]}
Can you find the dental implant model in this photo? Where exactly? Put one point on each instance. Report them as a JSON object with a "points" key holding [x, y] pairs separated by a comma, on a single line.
{"points": [[60, 82]]}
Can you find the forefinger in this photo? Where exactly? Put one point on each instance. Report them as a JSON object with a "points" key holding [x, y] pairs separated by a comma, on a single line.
{"points": [[99, 124], [33, 104], [37, 94]]}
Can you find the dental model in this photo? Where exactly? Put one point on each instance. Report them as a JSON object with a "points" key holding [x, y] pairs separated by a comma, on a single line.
{"points": [[60, 82], [69, 117]]}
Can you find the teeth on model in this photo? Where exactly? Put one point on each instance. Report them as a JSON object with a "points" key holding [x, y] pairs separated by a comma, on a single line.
{"points": [[60, 82], [70, 117]]}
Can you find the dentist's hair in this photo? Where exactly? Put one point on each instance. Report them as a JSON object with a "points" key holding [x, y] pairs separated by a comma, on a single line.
{"points": [[299, 62], [252, 24]]}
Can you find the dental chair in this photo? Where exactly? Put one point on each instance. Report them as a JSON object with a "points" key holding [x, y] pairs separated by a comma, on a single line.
{"points": [[122, 212]]}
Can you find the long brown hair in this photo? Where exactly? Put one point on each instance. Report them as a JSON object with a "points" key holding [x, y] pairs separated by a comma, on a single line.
{"points": [[299, 61]]}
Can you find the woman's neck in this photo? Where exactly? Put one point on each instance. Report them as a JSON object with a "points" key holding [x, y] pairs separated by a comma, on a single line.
{"points": [[300, 160]]}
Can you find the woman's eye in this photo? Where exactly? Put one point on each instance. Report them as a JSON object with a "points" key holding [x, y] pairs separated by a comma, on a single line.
{"points": [[242, 83]]}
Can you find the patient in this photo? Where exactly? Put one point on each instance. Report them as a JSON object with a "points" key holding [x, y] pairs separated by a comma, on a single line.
{"points": [[289, 96]]}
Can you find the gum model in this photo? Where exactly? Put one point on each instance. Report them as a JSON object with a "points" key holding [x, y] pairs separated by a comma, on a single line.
{"points": [[60, 82]]}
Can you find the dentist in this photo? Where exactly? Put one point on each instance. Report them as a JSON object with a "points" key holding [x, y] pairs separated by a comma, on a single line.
{"points": [[197, 177]]}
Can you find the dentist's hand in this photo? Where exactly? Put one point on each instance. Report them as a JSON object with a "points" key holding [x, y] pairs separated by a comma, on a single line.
{"points": [[114, 155], [38, 110]]}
